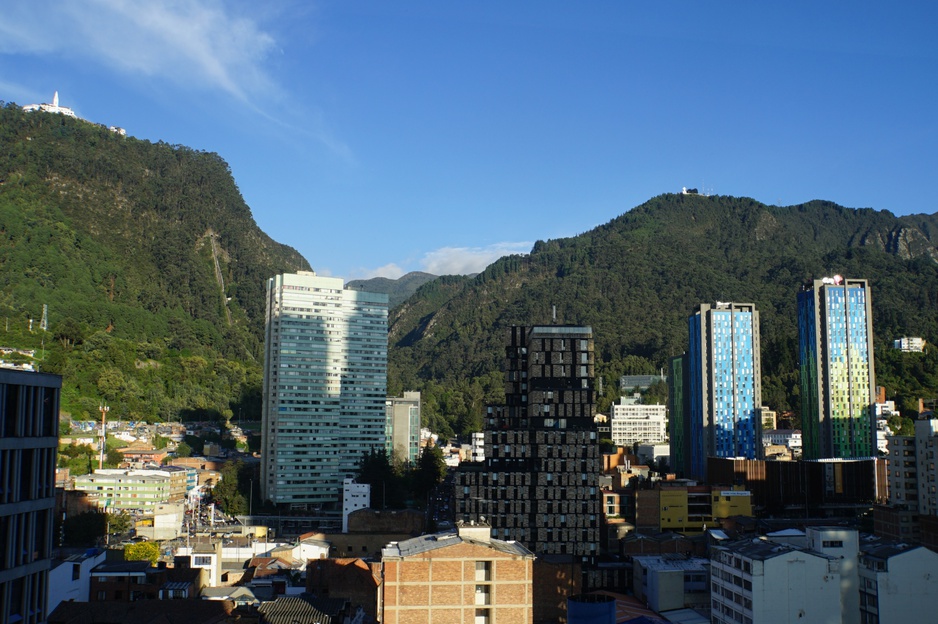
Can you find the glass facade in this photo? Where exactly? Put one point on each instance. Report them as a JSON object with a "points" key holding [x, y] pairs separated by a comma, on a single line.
{"points": [[677, 408], [836, 365], [724, 384], [325, 386], [29, 431]]}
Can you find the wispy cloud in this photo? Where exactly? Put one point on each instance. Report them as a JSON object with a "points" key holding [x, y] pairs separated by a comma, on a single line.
{"points": [[447, 261], [466, 260], [202, 44], [209, 46]]}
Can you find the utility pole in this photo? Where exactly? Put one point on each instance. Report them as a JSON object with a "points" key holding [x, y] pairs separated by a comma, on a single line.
{"points": [[104, 409]]}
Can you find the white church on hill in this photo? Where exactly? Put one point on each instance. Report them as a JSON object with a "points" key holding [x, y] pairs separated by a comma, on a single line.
{"points": [[51, 108]]}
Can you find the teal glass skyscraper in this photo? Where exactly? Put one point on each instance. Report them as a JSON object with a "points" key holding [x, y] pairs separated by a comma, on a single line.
{"points": [[723, 385], [325, 388], [835, 340]]}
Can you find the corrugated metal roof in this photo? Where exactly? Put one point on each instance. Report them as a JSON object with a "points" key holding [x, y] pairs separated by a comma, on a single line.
{"points": [[426, 543], [290, 609]]}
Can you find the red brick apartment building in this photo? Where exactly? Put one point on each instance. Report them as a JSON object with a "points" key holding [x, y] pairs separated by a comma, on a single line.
{"points": [[463, 577]]}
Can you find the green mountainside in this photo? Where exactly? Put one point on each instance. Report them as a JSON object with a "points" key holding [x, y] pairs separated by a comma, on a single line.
{"points": [[636, 279], [398, 290], [153, 271], [149, 261]]}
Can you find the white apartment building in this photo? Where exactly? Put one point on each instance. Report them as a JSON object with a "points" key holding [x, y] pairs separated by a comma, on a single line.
{"points": [[912, 477], [756, 581], [898, 584], [926, 446], [901, 472], [129, 490], [909, 344], [843, 544], [783, 437], [477, 453], [325, 388], [633, 422], [354, 496]]}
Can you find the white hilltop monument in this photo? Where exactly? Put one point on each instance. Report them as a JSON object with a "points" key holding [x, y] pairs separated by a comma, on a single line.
{"points": [[51, 108], [64, 110]]}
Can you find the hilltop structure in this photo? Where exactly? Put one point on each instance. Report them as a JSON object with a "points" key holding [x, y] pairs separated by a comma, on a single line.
{"points": [[325, 388], [51, 108]]}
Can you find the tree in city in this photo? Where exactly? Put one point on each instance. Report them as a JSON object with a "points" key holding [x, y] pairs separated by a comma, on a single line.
{"points": [[85, 529], [229, 492], [429, 472], [387, 478], [119, 522], [142, 551]]}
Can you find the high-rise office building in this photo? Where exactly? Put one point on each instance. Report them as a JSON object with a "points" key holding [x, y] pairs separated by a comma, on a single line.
{"points": [[538, 483], [29, 437], [403, 426], [835, 340], [678, 410], [325, 387], [723, 385]]}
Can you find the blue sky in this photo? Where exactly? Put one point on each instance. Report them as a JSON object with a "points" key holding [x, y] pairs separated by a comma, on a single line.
{"points": [[384, 137]]}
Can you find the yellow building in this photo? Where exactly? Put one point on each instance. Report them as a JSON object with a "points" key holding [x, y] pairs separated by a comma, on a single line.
{"points": [[685, 507]]}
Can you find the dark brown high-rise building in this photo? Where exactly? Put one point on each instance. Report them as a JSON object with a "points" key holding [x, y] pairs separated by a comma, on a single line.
{"points": [[29, 437], [538, 482]]}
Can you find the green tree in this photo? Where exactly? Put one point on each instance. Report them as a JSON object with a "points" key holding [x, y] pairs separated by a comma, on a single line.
{"points": [[389, 484], [429, 471], [142, 551], [119, 522], [183, 450], [85, 529], [229, 491]]}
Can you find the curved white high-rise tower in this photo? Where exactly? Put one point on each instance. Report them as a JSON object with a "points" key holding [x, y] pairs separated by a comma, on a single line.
{"points": [[325, 387]]}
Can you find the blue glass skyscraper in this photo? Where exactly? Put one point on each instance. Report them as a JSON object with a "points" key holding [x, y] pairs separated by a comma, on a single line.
{"points": [[724, 385], [835, 331]]}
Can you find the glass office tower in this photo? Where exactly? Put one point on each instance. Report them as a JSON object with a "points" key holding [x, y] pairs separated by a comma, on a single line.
{"points": [[835, 331], [724, 384]]}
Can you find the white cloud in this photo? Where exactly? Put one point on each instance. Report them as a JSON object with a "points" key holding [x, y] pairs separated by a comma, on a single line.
{"points": [[466, 260], [446, 261], [218, 47], [190, 42], [390, 271]]}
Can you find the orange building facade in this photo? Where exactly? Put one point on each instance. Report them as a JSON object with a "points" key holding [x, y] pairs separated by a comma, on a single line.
{"points": [[464, 578]]}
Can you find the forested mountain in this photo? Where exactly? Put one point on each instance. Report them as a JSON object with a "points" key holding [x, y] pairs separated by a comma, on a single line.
{"points": [[397, 290], [636, 279], [154, 270], [150, 262]]}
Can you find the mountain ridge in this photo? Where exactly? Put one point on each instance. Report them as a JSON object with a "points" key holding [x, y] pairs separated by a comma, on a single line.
{"points": [[637, 278], [154, 273]]}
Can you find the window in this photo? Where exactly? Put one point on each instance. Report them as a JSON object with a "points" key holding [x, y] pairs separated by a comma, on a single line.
{"points": [[482, 595], [482, 616], [201, 560], [483, 570]]}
